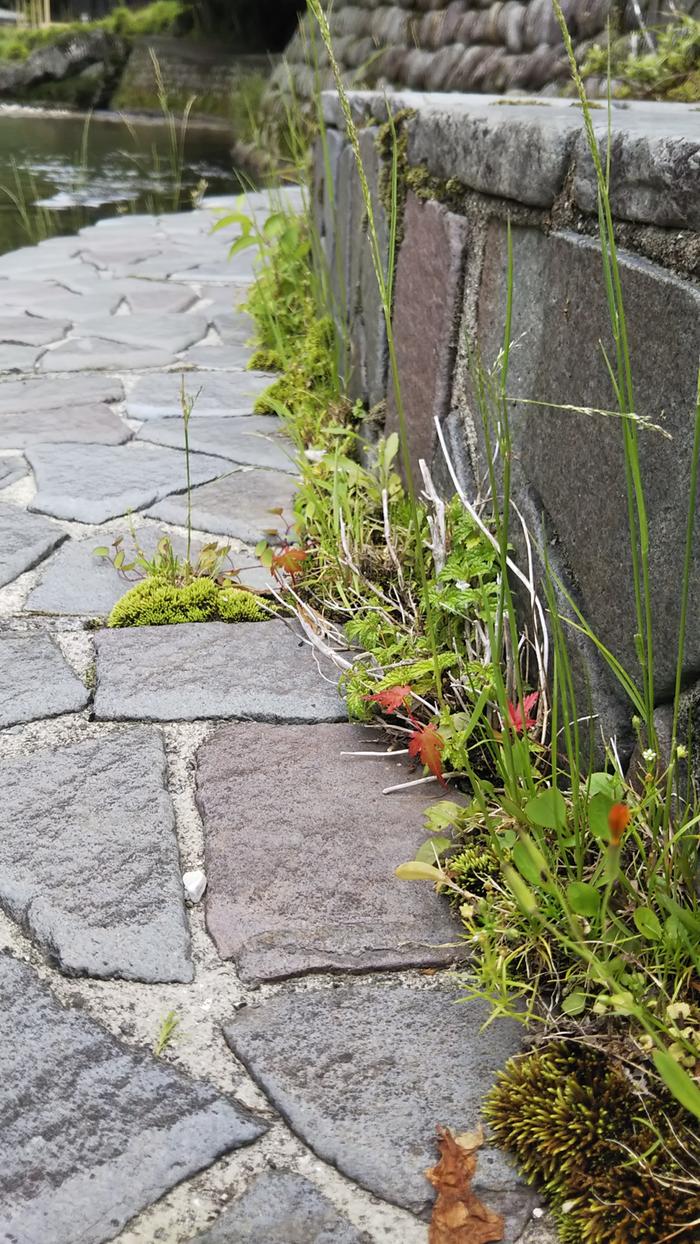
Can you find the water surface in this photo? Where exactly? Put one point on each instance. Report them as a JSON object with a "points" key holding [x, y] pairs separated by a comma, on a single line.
{"points": [[60, 171]]}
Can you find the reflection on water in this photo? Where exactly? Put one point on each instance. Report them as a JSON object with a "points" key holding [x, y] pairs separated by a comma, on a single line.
{"points": [[59, 172]]}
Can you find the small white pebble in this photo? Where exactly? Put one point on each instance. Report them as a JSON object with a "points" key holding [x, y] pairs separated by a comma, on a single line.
{"points": [[195, 884]]}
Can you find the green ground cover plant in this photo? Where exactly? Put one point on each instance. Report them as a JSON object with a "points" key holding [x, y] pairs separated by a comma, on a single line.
{"points": [[666, 66], [160, 17], [575, 881]]}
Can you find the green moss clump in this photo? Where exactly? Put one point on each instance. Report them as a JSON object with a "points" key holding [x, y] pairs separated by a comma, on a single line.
{"points": [[670, 70], [155, 602], [613, 1161]]}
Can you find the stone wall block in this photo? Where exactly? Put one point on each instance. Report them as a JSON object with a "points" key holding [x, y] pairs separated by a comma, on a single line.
{"points": [[490, 73], [511, 25], [416, 67], [349, 19], [655, 175], [390, 26], [453, 16], [465, 30], [429, 279], [541, 25], [463, 74], [372, 335], [443, 63], [592, 17], [574, 462]]}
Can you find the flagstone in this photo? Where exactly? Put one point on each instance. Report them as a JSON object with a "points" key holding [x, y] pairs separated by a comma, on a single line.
{"points": [[265, 907], [93, 1132], [240, 505], [25, 540], [36, 681], [11, 469], [30, 330], [34, 393], [85, 353], [280, 1207], [260, 671], [254, 440], [93, 424], [19, 358], [92, 483], [145, 330], [89, 862], [365, 1071], [158, 397]]}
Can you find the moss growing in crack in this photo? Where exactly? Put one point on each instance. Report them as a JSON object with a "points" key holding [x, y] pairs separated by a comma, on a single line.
{"points": [[154, 602], [572, 1118], [414, 178]]}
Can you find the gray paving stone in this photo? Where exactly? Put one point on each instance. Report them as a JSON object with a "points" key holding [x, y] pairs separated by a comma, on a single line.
{"points": [[239, 506], [77, 582], [10, 470], [116, 251], [36, 681], [217, 357], [25, 540], [92, 483], [30, 330], [254, 440], [94, 424], [363, 1073], [86, 353], [19, 358], [282, 1208], [158, 397], [277, 919], [234, 327], [54, 300], [41, 393], [89, 863], [154, 297], [93, 1132], [149, 331], [256, 670]]}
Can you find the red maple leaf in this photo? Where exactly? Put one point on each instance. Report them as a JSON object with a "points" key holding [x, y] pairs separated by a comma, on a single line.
{"points": [[515, 712], [427, 743], [289, 559], [391, 699]]}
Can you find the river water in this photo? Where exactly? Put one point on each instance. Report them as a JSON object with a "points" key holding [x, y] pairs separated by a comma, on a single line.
{"points": [[59, 171]]}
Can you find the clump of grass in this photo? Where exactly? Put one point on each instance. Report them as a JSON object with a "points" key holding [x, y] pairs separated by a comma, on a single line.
{"points": [[667, 67]]}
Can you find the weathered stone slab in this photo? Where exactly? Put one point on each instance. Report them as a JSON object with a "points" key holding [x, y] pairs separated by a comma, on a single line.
{"points": [[158, 397], [427, 306], [115, 251], [218, 356], [77, 582], [19, 358], [574, 462], [41, 393], [234, 327], [89, 858], [282, 1208], [36, 681], [155, 297], [253, 441], [149, 331], [10, 470], [50, 299], [87, 424], [256, 670], [278, 920], [240, 506], [84, 353], [92, 483], [25, 539], [363, 1073], [93, 1132], [29, 330]]}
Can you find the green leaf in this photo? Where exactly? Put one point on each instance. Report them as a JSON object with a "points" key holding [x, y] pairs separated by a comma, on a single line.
{"points": [[119, 560], [418, 871], [523, 896], [605, 784], [508, 838], [442, 814], [583, 898], [525, 864], [648, 924], [428, 853], [574, 1003], [676, 1078], [598, 812], [101, 551], [548, 809], [241, 244]]}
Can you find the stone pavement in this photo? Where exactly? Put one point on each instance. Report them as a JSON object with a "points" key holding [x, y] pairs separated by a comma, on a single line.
{"points": [[317, 1044]]}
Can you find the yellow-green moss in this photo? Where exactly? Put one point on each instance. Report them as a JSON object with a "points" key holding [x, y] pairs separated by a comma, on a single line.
{"points": [[154, 602]]}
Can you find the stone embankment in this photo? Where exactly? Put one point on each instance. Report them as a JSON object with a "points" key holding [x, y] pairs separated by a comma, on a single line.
{"points": [[317, 1043], [461, 45], [473, 167]]}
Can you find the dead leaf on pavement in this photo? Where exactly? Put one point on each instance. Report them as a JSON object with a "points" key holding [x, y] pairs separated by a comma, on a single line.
{"points": [[458, 1215]]}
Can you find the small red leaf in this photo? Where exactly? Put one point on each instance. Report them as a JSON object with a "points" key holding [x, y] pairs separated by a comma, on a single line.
{"points": [[515, 713], [289, 559], [427, 743], [391, 699]]}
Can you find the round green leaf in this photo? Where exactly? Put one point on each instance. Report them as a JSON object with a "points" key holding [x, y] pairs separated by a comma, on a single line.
{"points": [[583, 898], [432, 848], [648, 924], [598, 812], [677, 1079], [574, 1003], [548, 809], [526, 865]]}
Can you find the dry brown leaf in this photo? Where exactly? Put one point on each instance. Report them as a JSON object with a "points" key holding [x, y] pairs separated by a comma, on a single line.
{"points": [[458, 1215]]}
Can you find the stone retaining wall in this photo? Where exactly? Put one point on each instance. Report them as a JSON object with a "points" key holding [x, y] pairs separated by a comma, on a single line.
{"points": [[527, 163], [207, 71], [463, 45]]}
